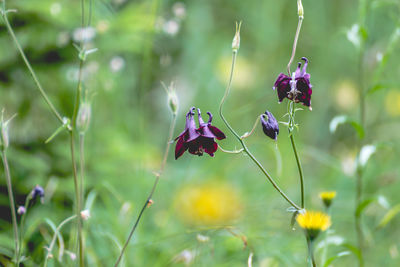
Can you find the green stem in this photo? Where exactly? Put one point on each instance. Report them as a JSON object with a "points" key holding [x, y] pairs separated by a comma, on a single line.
{"points": [[325, 250], [22, 223], [28, 65], [82, 165], [359, 173], [299, 167], [296, 38], [252, 157], [146, 204], [78, 200], [12, 204], [53, 240], [311, 252]]}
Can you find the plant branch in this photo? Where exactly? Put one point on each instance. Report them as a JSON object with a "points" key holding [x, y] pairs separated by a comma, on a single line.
{"points": [[12, 204], [28, 65], [241, 141], [148, 200]]}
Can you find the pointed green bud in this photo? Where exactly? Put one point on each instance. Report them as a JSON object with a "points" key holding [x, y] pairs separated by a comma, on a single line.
{"points": [[236, 38]]}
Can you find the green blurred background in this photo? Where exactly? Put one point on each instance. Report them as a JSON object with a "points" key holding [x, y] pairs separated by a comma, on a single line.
{"points": [[141, 43]]}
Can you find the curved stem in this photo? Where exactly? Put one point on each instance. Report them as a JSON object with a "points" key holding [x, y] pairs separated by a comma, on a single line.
{"points": [[296, 38], [53, 240], [252, 130], [28, 65], [252, 157], [230, 151], [12, 204], [153, 189]]}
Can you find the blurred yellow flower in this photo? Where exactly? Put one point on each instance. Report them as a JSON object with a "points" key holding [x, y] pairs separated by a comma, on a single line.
{"points": [[327, 197], [244, 72], [208, 204], [392, 103], [313, 222], [346, 95]]}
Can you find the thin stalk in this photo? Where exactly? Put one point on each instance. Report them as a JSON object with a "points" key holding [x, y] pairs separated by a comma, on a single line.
{"points": [[78, 200], [325, 250], [53, 240], [82, 165], [311, 252], [299, 167], [28, 65], [359, 173], [153, 189], [252, 157], [252, 129], [296, 38], [12, 204], [22, 224]]}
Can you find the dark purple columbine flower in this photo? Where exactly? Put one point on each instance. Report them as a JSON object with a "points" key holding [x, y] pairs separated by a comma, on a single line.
{"points": [[187, 139], [270, 126], [198, 140], [207, 134], [38, 191], [297, 88]]}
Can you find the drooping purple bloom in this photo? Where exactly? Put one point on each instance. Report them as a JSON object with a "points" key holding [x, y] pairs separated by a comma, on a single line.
{"points": [[187, 139], [38, 191], [198, 140], [297, 88], [270, 125], [207, 135]]}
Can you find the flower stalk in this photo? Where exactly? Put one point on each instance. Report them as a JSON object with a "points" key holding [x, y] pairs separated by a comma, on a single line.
{"points": [[149, 200], [10, 30], [291, 126], [12, 205], [240, 139]]}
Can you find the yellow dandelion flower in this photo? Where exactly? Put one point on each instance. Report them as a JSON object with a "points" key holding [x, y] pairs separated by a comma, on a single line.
{"points": [[327, 197], [313, 222], [208, 204]]}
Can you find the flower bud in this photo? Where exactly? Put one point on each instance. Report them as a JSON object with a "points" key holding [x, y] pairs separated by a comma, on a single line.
{"points": [[83, 118], [173, 102], [327, 198], [4, 136], [270, 125], [85, 215], [4, 140], [236, 38], [21, 210], [38, 191], [300, 9]]}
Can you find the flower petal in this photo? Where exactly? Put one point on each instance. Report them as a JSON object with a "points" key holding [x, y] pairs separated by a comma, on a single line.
{"points": [[217, 132], [180, 148]]}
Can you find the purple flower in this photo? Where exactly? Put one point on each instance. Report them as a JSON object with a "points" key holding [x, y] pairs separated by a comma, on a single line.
{"points": [[270, 126], [297, 88], [198, 140], [188, 138], [38, 191], [207, 134]]}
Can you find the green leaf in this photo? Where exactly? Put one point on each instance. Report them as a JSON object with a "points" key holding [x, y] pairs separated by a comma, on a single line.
{"points": [[354, 250], [343, 119], [364, 204], [339, 255], [375, 88], [389, 216]]}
